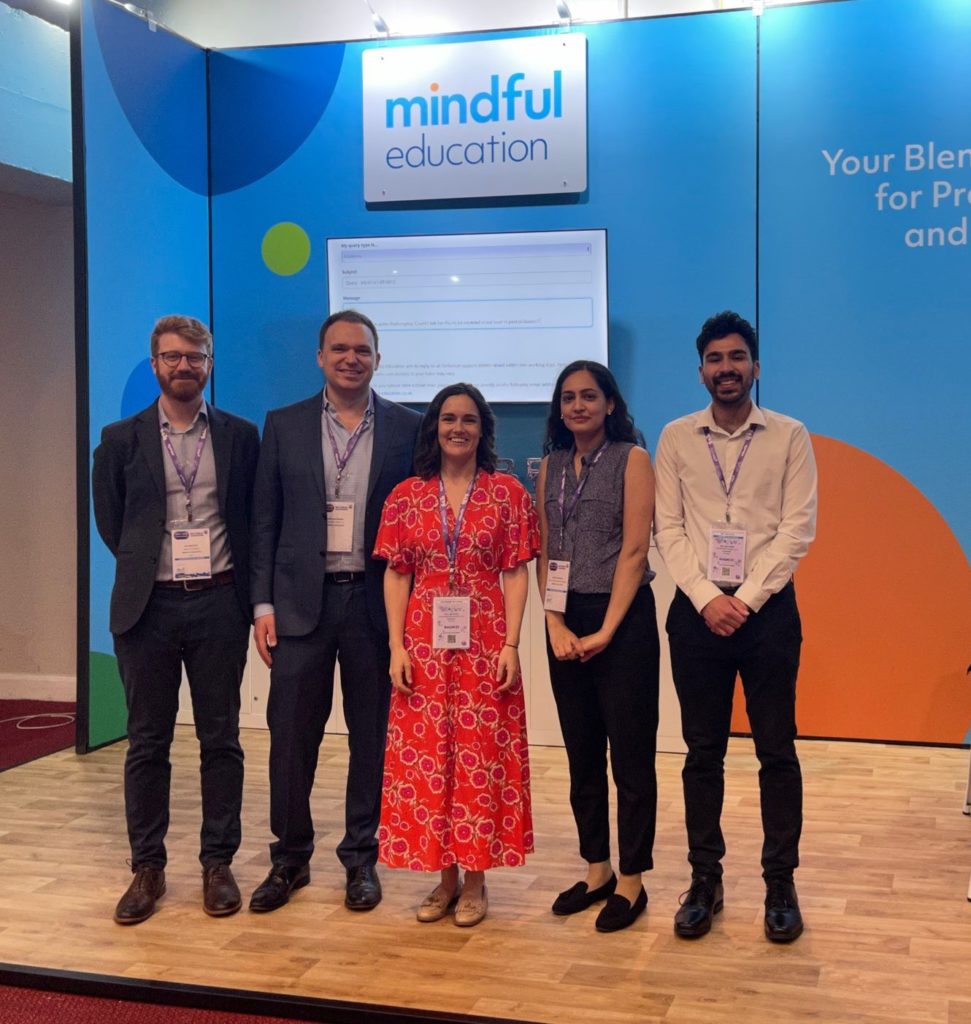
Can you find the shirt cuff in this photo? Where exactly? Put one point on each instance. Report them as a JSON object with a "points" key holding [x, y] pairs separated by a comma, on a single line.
{"points": [[262, 609]]}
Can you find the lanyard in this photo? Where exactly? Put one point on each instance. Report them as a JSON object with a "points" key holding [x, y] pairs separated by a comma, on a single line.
{"points": [[186, 481], [566, 511], [452, 540], [730, 486], [341, 459]]}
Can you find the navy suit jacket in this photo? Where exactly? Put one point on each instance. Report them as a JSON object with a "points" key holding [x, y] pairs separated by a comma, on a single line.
{"points": [[289, 526], [128, 487]]}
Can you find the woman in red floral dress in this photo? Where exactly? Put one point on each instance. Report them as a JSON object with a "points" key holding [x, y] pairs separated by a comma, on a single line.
{"points": [[456, 772]]}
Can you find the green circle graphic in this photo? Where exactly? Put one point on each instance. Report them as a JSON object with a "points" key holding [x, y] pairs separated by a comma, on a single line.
{"points": [[286, 248]]}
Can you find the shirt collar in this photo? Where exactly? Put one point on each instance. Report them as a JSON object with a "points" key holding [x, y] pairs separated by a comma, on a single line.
{"points": [[330, 410], [163, 420], [705, 420]]}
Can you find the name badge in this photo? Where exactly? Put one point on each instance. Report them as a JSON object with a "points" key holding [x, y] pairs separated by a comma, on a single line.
{"points": [[451, 620], [726, 554], [557, 585], [191, 558], [340, 527]]}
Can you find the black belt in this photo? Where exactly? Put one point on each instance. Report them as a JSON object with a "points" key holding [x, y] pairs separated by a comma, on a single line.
{"points": [[343, 577], [221, 579]]}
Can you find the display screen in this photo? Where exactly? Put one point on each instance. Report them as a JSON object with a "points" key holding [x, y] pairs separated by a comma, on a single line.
{"points": [[505, 312]]}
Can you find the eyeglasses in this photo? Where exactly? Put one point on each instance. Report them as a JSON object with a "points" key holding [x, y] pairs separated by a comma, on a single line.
{"points": [[194, 359]]}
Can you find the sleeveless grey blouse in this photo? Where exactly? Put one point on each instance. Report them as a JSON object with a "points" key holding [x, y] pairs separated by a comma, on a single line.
{"points": [[592, 537]]}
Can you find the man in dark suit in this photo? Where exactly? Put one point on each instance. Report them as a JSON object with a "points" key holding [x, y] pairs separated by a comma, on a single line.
{"points": [[326, 466], [172, 490]]}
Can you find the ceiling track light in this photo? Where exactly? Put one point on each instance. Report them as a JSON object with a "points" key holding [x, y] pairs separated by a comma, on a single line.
{"points": [[563, 12], [380, 25]]}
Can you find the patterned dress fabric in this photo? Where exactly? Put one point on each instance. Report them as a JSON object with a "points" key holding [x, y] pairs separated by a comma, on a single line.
{"points": [[456, 770]]}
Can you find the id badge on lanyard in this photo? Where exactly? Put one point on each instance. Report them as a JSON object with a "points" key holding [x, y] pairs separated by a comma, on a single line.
{"points": [[557, 585], [191, 552], [726, 540], [191, 556], [452, 613], [726, 554], [340, 527]]}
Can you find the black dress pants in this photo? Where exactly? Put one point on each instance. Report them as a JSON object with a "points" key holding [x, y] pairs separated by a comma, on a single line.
{"points": [[204, 630], [301, 697], [765, 652], [612, 699]]}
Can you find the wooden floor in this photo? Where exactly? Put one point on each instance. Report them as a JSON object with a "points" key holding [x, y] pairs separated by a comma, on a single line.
{"points": [[886, 859]]}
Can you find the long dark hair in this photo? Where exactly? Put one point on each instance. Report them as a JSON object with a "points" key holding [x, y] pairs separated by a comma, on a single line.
{"points": [[618, 425], [428, 455]]}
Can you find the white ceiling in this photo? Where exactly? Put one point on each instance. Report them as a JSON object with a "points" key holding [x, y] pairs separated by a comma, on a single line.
{"points": [[221, 24]]}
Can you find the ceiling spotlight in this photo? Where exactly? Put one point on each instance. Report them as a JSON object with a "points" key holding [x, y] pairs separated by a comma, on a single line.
{"points": [[380, 25], [563, 11]]}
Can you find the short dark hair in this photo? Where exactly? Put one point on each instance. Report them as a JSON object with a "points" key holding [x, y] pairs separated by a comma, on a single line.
{"points": [[428, 455], [721, 325], [348, 316], [619, 425]]}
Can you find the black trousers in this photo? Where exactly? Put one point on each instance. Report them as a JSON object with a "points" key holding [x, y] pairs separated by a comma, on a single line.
{"points": [[765, 652], [301, 697], [612, 699], [204, 630]]}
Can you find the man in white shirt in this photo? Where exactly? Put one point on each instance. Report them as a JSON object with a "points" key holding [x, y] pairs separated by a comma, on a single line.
{"points": [[736, 510]]}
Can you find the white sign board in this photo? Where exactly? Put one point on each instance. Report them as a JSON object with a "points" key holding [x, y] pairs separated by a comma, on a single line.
{"points": [[460, 120]]}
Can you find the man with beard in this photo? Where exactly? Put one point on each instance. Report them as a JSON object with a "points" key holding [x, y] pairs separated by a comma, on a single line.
{"points": [[172, 490], [736, 510]]}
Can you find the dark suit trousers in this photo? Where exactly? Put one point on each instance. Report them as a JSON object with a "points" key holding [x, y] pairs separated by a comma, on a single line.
{"points": [[765, 652], [301, 696], [613, 698], [204, 630]]}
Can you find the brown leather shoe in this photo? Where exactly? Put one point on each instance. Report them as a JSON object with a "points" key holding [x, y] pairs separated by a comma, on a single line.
{"points": [[138, 903], [220, 893]]}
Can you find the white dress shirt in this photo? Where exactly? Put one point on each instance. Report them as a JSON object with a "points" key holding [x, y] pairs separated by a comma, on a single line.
{"points": [[773, 498]]}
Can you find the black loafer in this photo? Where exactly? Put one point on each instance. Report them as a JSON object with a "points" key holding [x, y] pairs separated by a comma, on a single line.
{"points": [[783, 920], [620, 912], [363, 888], [704, 899], [578, 897], [274, 891]]}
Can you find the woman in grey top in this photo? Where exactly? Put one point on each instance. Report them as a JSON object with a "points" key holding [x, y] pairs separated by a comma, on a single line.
{"points": [[596, 503]]}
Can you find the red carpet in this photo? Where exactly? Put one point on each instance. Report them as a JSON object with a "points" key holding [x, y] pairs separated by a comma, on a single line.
{"points": [[29, 1006], [33, 728]]}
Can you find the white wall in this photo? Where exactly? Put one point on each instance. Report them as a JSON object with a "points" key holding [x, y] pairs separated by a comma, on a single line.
{"points": [[37, 449]]}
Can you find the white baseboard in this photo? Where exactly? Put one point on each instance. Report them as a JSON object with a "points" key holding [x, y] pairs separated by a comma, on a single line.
{"points": [[28, 686]]}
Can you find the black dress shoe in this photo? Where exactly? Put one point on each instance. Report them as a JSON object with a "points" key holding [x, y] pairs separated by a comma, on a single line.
{"points": [[578, 897], [783, 921], [274, 891], [363, 888], [703, 900], [138, 903], [620, 912], [220, 893]]}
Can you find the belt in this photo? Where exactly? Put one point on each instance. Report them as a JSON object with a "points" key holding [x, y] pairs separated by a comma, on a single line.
{"points": [[343, 577], [221, 579]]}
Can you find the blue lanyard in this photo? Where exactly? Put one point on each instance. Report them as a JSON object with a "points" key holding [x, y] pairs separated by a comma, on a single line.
{"points": [[566, 511], [730, 486]]}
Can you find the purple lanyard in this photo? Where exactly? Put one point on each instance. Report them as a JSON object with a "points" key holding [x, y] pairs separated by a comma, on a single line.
{"points": [[452, 540], [343, 458], [186, 481], [566, 511], [730, 486]]}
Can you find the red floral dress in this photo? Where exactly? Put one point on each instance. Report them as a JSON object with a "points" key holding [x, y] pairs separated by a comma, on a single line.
{"points": [[456, 768]]}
